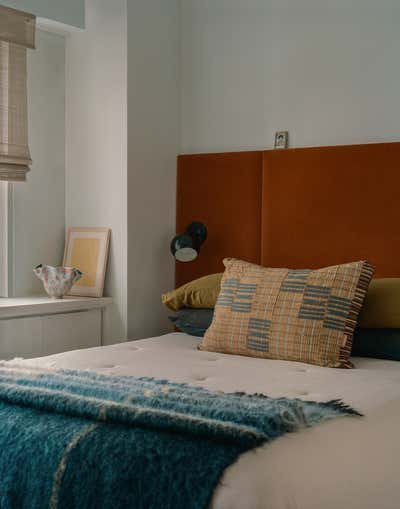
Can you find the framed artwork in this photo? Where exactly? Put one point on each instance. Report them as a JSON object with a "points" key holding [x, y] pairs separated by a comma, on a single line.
{"points": [[281, 139], [86, 249]]}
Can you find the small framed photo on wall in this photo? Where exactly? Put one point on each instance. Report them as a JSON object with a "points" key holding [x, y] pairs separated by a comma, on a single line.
{"points": [[281, 139], [86, 249]]}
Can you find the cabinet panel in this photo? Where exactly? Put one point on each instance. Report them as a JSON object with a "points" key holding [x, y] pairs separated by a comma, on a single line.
{"points": [[21, 337], [45, 335], [71, 331]]}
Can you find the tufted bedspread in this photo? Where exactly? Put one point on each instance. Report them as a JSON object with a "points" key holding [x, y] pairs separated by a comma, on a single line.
{"points": [[352, 463]]}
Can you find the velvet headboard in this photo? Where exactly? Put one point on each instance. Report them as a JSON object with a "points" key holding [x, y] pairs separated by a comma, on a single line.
{"points": [[224, 192], [324, 206], [296, 208]]}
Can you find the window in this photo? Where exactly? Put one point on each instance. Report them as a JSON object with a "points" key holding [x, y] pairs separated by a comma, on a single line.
{"points": [[4, 240], [17, 33]]}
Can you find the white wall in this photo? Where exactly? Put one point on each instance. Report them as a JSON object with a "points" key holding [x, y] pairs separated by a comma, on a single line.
{"points": [[96, 129], [153, 141], [69, 12], [122, 141], [326, 71], [39, 204]]}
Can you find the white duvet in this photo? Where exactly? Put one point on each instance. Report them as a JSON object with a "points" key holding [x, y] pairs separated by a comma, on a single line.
{"points": [[349, 463]]}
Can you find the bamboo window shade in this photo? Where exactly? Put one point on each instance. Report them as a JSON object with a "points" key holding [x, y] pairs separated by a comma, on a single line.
{"points": [[17, 33]]}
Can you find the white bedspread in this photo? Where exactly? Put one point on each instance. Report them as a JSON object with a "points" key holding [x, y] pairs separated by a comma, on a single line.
{"points": [[347, 463]]}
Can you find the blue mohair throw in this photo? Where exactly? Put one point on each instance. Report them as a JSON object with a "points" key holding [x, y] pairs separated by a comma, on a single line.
{"points": [[71, 439]]}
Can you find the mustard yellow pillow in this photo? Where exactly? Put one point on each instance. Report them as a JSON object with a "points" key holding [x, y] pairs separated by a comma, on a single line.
{"points": [[382, 305], [296, 315], [200, 293]]}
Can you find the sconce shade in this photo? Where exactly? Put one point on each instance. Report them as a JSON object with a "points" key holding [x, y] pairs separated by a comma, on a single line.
{"points": [[186, 246]]}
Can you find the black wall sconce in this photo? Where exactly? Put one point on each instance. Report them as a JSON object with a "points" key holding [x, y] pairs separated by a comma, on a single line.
{"points": [[186, 246]]}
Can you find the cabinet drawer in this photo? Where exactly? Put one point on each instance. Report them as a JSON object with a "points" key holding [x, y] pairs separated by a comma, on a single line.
{"points": [[71, 331]]}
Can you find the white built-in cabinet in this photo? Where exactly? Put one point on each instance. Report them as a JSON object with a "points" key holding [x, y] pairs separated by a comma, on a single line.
{"points": [[37, 327]]}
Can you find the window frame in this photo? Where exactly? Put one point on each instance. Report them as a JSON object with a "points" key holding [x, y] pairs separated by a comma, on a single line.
{"points": [[5, 230]]}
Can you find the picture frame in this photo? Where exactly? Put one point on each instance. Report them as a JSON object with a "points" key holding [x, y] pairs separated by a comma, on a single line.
{"points": [[281, 139], [87, 250]]}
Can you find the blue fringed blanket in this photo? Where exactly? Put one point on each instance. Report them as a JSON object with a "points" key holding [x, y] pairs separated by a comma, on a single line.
{"points": [[72, 439]]}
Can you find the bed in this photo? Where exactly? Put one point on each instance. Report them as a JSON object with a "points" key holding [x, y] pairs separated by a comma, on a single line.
{"points": [[294, 208], [351, 463]]}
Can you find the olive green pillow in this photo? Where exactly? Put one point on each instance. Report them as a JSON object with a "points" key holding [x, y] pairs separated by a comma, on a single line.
{"points": [[381, 308], [382, 305], [200, 293]]}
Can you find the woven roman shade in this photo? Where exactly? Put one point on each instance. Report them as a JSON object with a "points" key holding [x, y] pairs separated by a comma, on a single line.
{"points": [[17, 33]]}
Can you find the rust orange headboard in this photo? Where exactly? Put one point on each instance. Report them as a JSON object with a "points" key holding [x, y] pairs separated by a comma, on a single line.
{"points": [[224, 192], [330, 205], [296, 208]]}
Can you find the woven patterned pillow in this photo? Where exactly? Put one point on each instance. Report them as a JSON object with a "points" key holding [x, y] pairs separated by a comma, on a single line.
{"points": [[297, 315]]}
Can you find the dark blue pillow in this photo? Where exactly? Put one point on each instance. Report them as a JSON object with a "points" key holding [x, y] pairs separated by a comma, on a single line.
{"points": [[378, 343], [193, 321]]}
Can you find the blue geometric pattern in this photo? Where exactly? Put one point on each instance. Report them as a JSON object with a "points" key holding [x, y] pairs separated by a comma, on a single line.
{"points": [[228, 291], [336, 313], [257, 338], [295, 281], [317, 305], [242, 301], [236, 296], [314, 302]]}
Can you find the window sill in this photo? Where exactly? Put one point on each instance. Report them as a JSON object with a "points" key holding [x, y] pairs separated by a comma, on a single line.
{"points": [[36, 306]]}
